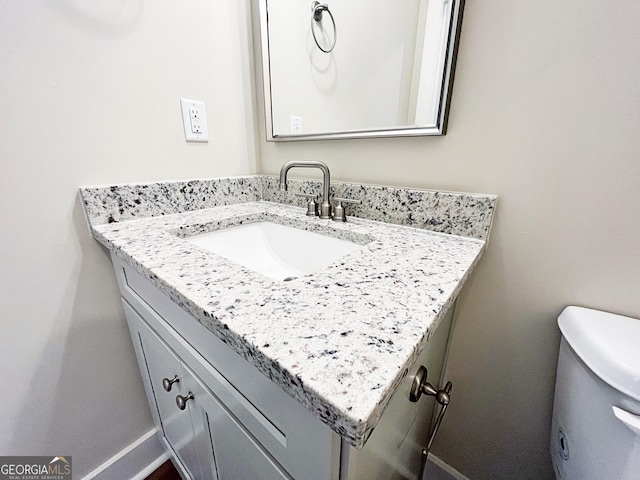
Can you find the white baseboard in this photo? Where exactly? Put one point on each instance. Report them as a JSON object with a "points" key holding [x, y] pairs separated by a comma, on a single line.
{"points": [[136, 461], [438, 470], [141, 458]]}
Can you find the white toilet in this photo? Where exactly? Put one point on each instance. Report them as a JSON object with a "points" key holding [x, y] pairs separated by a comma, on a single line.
{"points": [[595, 433]]}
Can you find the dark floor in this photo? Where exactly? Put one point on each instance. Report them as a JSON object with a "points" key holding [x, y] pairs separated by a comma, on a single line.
{"points": [[166, 471]]}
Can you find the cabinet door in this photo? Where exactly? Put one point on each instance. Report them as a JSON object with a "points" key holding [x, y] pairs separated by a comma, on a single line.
{"points": [[236, 453], [162, 364]]}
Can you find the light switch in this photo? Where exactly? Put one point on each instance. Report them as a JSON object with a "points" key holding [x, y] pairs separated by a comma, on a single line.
{"points": [[194, 120]]}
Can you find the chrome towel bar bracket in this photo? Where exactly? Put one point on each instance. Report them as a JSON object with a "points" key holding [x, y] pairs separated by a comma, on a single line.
{"points": [[420, 386]]}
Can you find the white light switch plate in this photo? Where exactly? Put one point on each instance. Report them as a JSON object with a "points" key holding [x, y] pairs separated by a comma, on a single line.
{"points": [[194, 120]]}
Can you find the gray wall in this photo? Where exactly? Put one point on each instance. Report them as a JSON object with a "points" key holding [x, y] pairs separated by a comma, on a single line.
{"points": [[89, 94], [545, 114]]}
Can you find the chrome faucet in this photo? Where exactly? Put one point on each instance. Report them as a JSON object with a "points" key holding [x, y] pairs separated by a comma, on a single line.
{"points": [[325, 206]]}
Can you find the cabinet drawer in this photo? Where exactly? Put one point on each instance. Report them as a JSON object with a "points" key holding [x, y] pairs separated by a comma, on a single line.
{"points": [[297, 440]]}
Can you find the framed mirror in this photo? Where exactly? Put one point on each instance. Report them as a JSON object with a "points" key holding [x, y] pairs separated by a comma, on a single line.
{"points": [[357, 68]]}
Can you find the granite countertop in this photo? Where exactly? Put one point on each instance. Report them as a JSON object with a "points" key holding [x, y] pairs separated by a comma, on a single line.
{"points": [[339, 340]]}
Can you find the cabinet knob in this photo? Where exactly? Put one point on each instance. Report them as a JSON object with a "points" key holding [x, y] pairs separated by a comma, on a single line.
{"points": [[182, 401], [166, 383]]}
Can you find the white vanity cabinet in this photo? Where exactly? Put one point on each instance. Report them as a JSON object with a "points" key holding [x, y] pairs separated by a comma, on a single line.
{"points": [[207, 439], [167, 378], [237, 424]]}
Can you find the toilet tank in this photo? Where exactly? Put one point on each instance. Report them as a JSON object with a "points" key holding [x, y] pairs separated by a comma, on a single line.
{"points": [[595, 431]]}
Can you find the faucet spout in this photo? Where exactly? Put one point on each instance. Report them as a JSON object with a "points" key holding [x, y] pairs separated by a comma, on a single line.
{"points": [[325, 206]]}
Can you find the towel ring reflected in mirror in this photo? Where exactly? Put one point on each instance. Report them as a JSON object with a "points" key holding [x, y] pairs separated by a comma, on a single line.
{"points": [[316, 17]]}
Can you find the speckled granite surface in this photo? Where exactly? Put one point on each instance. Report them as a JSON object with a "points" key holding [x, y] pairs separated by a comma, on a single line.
{"points": [[338, 340], [465, 214], [117, 203]]}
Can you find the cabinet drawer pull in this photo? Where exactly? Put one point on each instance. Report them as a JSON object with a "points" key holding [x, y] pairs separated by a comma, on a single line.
{"points": [[166, 383], [182, 401]]}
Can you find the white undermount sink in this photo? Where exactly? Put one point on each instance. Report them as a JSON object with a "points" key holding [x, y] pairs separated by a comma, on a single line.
{"points": [[276, 251]]}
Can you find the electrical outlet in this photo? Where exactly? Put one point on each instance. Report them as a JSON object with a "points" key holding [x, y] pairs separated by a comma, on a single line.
{"points": [[296, 124], [194, 120]]}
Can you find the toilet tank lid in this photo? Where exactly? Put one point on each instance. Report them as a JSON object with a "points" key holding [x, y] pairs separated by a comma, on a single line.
{"points": [[608, 344]]}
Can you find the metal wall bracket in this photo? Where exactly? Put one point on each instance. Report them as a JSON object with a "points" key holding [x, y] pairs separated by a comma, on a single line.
{"points": [[420, 386]]}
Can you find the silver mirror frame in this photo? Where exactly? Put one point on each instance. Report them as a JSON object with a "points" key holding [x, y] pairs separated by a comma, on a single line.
{"points": [[440, 128]]}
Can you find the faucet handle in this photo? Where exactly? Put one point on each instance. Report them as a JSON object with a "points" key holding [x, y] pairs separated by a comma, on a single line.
{"points": [[312, 205], [338, 211]]}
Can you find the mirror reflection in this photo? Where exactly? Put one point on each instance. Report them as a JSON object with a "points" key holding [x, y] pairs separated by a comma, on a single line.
{"points": [[357, 68]]}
